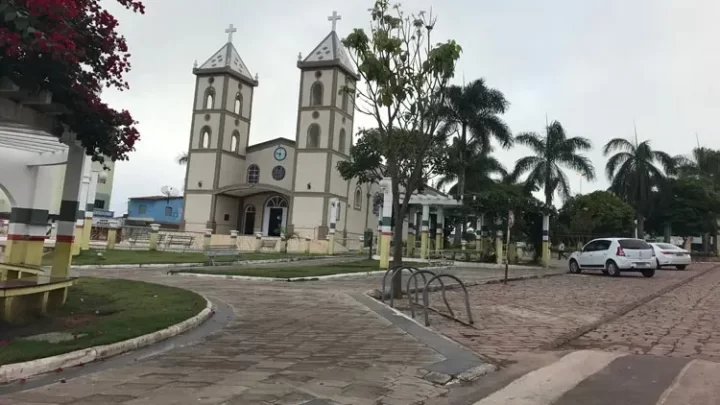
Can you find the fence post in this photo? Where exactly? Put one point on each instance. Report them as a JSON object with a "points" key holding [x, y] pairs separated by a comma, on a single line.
{"points": [[112, 234], [208, 236], [499, 248], [154, 229]]}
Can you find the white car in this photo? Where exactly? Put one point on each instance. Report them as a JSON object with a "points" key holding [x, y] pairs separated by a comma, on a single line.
{"points": [[614, 256], [667, 254]]}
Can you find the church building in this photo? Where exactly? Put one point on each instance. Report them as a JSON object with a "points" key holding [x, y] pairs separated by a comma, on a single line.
{"points": [[280, 184]]}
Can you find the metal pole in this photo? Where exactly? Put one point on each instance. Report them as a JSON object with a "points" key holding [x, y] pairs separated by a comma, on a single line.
{"points": [[507, 250]]}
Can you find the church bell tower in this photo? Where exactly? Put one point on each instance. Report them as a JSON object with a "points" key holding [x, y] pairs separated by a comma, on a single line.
{"points": [[219, 136], [324, 133]]}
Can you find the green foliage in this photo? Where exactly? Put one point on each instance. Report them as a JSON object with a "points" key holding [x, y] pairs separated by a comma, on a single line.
{"points": [[690, 206], [404, 76], [552, 152], [600, 213], [635, 170]]}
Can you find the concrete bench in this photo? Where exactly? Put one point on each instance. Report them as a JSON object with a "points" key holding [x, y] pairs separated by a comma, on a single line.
{"points": [[23, 298], [214, 252], [180, 241], [16, 271]]}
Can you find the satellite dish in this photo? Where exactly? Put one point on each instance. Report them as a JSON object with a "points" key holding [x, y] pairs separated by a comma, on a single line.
{"points": [[169, 192]]}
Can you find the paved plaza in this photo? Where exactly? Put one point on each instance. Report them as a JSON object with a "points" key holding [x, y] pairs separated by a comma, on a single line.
{"points": [[321, 342]]}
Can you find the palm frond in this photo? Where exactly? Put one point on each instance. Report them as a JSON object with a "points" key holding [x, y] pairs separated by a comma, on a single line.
{"points": [[618, 144], [615, 161], [532, 140]]}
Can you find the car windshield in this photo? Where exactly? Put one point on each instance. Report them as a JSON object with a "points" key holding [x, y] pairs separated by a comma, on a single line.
{"points": [[667, 246], [634, 244]]}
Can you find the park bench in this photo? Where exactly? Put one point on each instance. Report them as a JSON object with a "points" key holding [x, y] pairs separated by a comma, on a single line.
{"points": [[214, 252], [143, 238], [31, 294], [183, 242]]}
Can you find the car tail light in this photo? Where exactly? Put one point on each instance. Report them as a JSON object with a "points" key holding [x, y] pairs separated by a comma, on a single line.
{"points": [[668, 252], [620, 251], [652, 252]]}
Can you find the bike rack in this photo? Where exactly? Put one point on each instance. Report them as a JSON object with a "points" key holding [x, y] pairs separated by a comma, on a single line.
{"points": [[426, 300], [394, 270], [417, 291]]}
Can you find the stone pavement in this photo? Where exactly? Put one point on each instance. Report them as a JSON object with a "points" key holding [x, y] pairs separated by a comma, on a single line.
{"points": [[288, 343], [522, 317], [682, 323]]}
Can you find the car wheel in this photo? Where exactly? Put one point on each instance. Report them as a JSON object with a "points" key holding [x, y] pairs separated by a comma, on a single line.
{"points": [[605, 272], [574, 267], [681, 267], [658, 264], [612, 268], [648, 273]]}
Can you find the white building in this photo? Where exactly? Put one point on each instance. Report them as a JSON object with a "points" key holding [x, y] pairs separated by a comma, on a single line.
{"points": [[282, 183]]}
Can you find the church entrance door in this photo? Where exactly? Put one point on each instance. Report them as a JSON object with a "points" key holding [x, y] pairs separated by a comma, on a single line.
{"points": [[275, 215], [275, 221]]}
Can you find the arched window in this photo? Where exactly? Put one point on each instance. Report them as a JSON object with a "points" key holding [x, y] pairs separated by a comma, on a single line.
{"points": [[235, 141], [209, 98], [357, 202], [238, 104], [316, 94], [253, 176], [313, 136], [277, 202], [345, 98], [205, 138], [341, 142]]}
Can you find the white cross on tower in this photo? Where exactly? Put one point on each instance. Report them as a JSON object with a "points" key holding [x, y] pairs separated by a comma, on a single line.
{"points": [[334, 18], [230, 32]]}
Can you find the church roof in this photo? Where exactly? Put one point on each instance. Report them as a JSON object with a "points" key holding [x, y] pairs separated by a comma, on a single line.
{"points": [[228, 58], [330, 52]]}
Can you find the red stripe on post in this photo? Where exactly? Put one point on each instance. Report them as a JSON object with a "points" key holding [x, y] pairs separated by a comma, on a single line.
{"points": [[36, 238], [15, 237], [65, 238]]}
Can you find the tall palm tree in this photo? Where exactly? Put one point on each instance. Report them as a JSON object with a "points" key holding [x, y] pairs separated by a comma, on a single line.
{"points": [[635, 171], [473, 112], [552, 152], [482, 168], [703, 163]]}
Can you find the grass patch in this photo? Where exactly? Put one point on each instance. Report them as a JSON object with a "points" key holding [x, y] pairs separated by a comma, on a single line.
{"points": [[90, 257], [362, 266], [106, 311]]}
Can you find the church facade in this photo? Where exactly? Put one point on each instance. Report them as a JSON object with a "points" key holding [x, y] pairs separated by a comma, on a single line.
{"points": [[281, 184]]}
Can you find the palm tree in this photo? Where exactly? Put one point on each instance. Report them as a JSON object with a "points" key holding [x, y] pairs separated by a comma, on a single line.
{"points": [[634, 174], [473, 111], [481, 169], [703, 163], [553, 152], [183, 159]]}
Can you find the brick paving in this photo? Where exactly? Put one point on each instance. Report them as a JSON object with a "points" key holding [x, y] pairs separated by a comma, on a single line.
{"points": [[525, 316], [682, 323]]}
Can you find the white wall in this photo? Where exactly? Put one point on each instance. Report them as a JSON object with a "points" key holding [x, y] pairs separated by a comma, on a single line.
{"points": [[201, 168], [265, 159], [16, 179], [197, 212]]}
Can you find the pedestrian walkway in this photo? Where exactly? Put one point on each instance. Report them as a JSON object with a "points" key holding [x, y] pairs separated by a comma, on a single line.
{"points": [[601, 378]]}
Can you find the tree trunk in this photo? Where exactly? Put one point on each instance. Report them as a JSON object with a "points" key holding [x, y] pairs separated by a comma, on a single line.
{"points": [[641, 226], [667, 232], [397, 248], [461, 222]]}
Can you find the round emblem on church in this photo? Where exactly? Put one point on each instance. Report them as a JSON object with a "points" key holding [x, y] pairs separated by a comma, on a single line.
{"points": [[240, 86], [207, 117], [343, 120], [211, 80], [280, 154], [315, 115], [278, 173], [318, 74], [237, 122]]}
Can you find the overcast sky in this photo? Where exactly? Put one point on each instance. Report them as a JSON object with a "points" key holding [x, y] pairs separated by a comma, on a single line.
{"points": [[595, 66]]}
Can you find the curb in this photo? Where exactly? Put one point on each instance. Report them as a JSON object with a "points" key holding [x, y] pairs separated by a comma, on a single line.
{"points": [[291, 279], [186, 265], [569, 337], [18, 371]]}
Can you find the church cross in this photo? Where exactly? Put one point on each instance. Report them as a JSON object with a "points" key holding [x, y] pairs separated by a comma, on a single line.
{"points": [[334, 18], [230, 32]]}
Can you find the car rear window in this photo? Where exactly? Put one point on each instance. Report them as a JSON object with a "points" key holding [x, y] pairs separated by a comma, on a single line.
{"points": [[633, 244], [667, 246]]}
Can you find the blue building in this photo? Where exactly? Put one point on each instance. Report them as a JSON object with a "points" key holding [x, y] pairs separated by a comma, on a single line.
{"points": [[166, 211]]}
